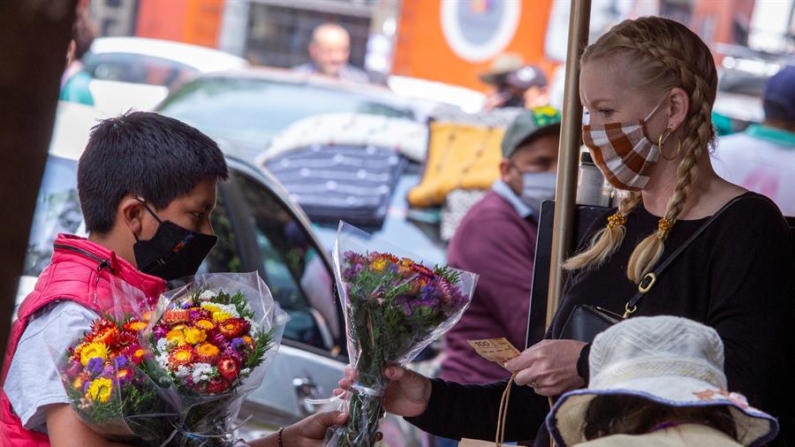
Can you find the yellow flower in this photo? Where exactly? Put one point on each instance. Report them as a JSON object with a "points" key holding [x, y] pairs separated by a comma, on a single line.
{"points": [[92, 350], [195, 335], [100, 390], [78, 382], [378, 265], [220, 316], [176, 336], [135, 326], [211, 307]]}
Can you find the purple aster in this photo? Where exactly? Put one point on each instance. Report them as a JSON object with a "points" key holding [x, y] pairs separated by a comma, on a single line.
{"points": [[237, 343], [95, 365], [121, 362]]}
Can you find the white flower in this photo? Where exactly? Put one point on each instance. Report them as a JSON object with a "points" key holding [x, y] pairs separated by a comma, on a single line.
{"points": [[207, 295], [201, 372], [182, 372]]}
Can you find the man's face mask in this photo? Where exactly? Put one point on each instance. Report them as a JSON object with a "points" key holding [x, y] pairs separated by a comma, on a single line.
{"points": [[173, 252], [538, 187], [622, 152]]}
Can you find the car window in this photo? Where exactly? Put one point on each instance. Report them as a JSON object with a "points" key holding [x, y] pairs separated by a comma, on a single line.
{"points": [[137, 69], [253, 111], [291, 266], [57, 211]]}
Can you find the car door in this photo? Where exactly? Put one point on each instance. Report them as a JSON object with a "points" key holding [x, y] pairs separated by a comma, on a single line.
{"points": [[261, 230]]}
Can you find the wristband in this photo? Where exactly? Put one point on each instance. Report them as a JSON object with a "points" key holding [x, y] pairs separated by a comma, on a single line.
{"points": [[281, 429]]}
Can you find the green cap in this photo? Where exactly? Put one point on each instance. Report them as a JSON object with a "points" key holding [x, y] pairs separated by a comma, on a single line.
{"points": [[529, 125]]}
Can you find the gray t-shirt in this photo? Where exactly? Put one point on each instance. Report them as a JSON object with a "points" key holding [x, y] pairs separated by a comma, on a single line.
{"points": [[33, 379]]}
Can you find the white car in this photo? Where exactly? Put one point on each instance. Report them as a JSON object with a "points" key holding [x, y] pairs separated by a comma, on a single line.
{"points": [[138, 73]]}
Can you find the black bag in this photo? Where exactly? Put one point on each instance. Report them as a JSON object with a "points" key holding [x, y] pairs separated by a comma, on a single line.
{"points": [[586, 321]]}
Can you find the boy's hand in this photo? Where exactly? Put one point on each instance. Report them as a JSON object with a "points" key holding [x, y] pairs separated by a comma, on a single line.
{"points": [[308, 432]]}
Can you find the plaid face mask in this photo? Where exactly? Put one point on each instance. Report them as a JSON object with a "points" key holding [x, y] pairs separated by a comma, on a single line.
{"points": [[622, 152]]}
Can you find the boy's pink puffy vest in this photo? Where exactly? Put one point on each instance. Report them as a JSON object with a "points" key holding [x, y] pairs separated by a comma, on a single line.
{"points": [[80, 271]]}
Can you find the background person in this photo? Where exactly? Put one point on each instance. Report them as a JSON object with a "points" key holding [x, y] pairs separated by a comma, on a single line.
{"points": [[762, 158], [75, 80], [649, 83], [515, 84], [329, 52], [496, 239], [658, 381]]}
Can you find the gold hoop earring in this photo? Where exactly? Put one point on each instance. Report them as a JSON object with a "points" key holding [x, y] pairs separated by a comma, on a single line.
{"points": [[678, 146]]}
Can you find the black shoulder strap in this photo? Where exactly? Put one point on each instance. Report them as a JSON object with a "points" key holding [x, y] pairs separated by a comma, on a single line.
{"points": [[650, 278]]}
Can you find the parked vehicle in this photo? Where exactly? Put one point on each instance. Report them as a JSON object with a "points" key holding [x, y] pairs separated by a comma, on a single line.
{"points": [[138, 73], [260, 229], [249, 108]]}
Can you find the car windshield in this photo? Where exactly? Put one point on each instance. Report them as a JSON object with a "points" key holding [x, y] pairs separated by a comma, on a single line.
{"points": [[252, 111]]}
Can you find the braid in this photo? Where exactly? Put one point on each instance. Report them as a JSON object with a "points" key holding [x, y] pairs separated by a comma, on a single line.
{"points": [[650, 250], [606, 241]]}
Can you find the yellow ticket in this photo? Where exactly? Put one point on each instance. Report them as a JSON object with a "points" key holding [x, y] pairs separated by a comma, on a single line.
{"points": [[498, 350]]}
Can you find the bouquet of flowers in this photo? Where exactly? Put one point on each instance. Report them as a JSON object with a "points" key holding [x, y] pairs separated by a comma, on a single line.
{"points": [[211, 342], [394, 307], [106, 375]]}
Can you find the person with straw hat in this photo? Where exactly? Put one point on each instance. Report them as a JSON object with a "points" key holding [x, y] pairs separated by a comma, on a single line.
{"points": [[658, 381]]}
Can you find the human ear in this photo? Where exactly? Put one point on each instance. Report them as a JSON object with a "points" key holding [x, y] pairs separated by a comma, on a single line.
{"points": [[505, 167], [131, 214], [678, 108]]}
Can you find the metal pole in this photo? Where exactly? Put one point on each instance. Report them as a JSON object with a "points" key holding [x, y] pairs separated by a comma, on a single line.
{"points": [[568, 154]]}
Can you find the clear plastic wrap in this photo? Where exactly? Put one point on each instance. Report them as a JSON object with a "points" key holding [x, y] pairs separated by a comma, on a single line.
{"points": [[394, 306]]}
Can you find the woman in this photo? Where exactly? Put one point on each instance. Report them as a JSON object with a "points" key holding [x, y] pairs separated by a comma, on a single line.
{"points": [[658, 381], [648, 86]]}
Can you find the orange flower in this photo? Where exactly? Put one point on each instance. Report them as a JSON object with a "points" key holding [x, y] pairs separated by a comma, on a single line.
{"points": [[207, 352], [232, 327], [180, 356], [176, 316], [194, 335], [102, 331], [204, 324], [135, 326]]}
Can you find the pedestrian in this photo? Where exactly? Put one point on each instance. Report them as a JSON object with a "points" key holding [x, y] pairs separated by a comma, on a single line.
{"points": [[762, 158], [658, 381], [75, 80], [147, 186], [648, 86], [515, 84], [496, 240], [329, 52]]}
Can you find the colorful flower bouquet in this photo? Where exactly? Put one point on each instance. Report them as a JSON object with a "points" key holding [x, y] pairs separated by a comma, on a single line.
{"points": [[210, 342], [175, 373], [106, 374], [105, 378], [394, 307]]}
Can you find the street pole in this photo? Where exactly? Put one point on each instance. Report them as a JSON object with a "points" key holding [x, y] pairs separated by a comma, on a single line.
{"points": [[568, 154], [34, 36]]}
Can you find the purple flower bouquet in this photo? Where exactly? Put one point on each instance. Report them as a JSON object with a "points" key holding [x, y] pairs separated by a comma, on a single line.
{"points": [[394, 306]]}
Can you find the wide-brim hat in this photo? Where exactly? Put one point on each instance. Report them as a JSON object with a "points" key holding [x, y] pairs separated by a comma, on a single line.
{"points": [[501, 66], [668, 360]]}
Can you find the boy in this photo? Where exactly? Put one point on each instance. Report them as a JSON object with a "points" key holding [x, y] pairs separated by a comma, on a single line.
{"points": [[147, 186]]}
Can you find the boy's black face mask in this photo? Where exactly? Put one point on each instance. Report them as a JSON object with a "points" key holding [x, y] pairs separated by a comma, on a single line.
{"points": [[173, 252]]}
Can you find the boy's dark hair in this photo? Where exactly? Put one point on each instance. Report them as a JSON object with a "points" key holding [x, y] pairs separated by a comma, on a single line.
{"points": [[145, 154]]}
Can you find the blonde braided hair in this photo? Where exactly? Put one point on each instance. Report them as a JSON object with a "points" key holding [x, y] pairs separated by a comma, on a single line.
{"points": [[666, 55]]}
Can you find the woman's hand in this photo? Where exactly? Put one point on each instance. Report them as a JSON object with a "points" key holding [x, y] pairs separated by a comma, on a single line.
{"points": [[407, 393], [549, 367]]}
